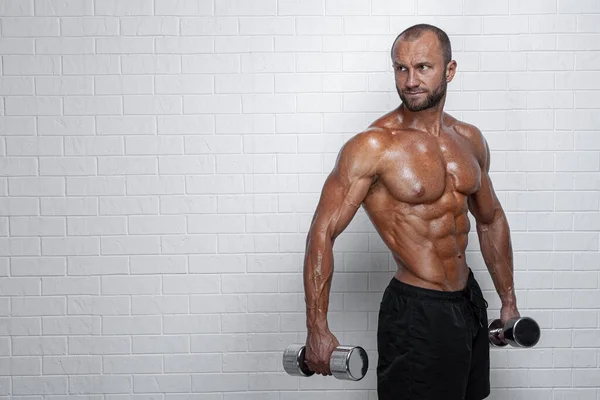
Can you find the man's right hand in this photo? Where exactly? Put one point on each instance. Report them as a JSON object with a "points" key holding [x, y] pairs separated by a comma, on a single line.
{"points": [[319, 346]]}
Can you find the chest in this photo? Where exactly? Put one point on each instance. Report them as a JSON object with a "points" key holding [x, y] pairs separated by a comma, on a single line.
{"points": [[423, 169]]}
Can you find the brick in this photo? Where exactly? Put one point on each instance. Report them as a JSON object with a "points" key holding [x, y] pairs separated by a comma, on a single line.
{"points": [[76, 325], [382, 7], [196, 363], [197, 26], [501, 25], [167, 344], [184, 45], [242, 8], [266, 26], [214, 63], [99, 345], [38, 266], [39, 385], [17, 9], [19, 206], [153, 305], [181, 324], [131, 285], [162, 383], [66, 126], [89, 26], [124, 45], [187, 284], [90, 64], [142, 364], [41, 105], [30, 27], [186, 124], [38, 306], [118, 8], [474, 7], [20, 326], [583, 7], [17, 86], [100, 265], [217, 263], [188, 204], [183, 8], [127, 125], [65, 85], [193, 84], [103, 384], [99, 105], [18, 166], [98, 305], [69, 206], [118, 85], [131, 325], [20, 246], [20, 366], [150, 64], [72, 365]]}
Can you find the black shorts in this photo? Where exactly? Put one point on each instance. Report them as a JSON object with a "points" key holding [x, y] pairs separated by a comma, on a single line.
{"points": [[433, 345]]}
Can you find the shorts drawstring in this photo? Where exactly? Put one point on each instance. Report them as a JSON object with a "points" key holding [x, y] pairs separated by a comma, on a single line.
{"points": [[476, 307]]}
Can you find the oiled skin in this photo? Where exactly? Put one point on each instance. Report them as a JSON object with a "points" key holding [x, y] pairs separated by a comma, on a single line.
{"points": [[418, 202], [417, 175]]}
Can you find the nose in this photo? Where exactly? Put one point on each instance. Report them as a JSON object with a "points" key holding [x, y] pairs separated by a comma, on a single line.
{"points": [[412, 81]]}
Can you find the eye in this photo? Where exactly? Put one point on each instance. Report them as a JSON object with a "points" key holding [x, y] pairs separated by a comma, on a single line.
{"points": [[424, 67]]}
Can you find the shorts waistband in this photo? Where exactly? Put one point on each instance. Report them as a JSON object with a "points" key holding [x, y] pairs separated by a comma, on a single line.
{"points": [[405, 289]]}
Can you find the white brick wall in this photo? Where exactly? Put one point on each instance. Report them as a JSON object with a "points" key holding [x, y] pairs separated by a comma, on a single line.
{"points": [[160, 161]]}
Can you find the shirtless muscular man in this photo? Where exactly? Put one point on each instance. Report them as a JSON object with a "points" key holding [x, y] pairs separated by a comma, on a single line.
{"points": [[417, 171]]}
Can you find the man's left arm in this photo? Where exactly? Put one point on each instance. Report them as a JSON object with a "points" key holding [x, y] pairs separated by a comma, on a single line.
{"points": [[494, 239]]}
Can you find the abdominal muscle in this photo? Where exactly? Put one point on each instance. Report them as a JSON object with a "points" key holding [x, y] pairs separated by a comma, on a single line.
{"points": [[428, 241]]}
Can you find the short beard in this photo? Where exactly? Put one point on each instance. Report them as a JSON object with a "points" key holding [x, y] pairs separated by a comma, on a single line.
{"points": [[432, 100]]}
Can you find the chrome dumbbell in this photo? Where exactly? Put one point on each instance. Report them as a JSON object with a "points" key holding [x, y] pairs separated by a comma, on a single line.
{"points": [[518, 332], [347, 362]]}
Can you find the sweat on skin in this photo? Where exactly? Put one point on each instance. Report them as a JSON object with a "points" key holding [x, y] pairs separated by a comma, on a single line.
{"points": [[417, 171]]}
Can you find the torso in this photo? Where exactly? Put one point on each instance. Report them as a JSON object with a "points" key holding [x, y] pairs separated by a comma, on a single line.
{"points": [[418, 203]]}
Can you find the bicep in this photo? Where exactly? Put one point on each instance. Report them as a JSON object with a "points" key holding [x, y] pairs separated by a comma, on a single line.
{"points": [[484, 203]]}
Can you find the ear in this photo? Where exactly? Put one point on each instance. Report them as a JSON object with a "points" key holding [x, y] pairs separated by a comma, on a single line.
{"points": [[450, 71]]}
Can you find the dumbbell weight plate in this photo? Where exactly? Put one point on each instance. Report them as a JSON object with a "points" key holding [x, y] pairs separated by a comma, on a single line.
{"points": [[349, 363], [522, 332], [293, 361], [494, 328]]}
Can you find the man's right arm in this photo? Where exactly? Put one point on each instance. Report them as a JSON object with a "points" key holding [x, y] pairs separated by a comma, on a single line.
{"points": [[343, 192]]}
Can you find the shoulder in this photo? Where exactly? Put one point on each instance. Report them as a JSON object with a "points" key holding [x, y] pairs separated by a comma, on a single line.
{"points": [[362, 153], [475, 137]]}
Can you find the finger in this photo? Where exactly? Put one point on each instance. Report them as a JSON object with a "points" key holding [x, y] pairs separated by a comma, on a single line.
{"points": [[315, 368], [323, 369]]}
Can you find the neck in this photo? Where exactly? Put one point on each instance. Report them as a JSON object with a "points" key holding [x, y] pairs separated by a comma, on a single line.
{"points": [[429, 120]]}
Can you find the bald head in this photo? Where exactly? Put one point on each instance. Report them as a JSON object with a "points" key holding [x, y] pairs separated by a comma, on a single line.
{"points": [[417, 31]]}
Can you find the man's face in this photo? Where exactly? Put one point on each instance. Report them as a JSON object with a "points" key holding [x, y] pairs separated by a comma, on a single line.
{"points": [[420, 72]]}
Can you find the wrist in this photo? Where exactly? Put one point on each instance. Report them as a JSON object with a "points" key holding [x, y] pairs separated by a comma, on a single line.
{"points": [[316, 327], [509, 303]]}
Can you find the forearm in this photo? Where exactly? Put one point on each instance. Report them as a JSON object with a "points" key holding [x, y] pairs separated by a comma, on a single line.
{"points": [[318, 273], [496, 248]]}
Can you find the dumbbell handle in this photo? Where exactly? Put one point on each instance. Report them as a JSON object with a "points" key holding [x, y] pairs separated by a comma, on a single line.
{"points": [[346, 362], [518, 332]]}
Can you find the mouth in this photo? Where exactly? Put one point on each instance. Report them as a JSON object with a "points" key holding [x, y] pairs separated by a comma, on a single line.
{"points": [[413, 93]]}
